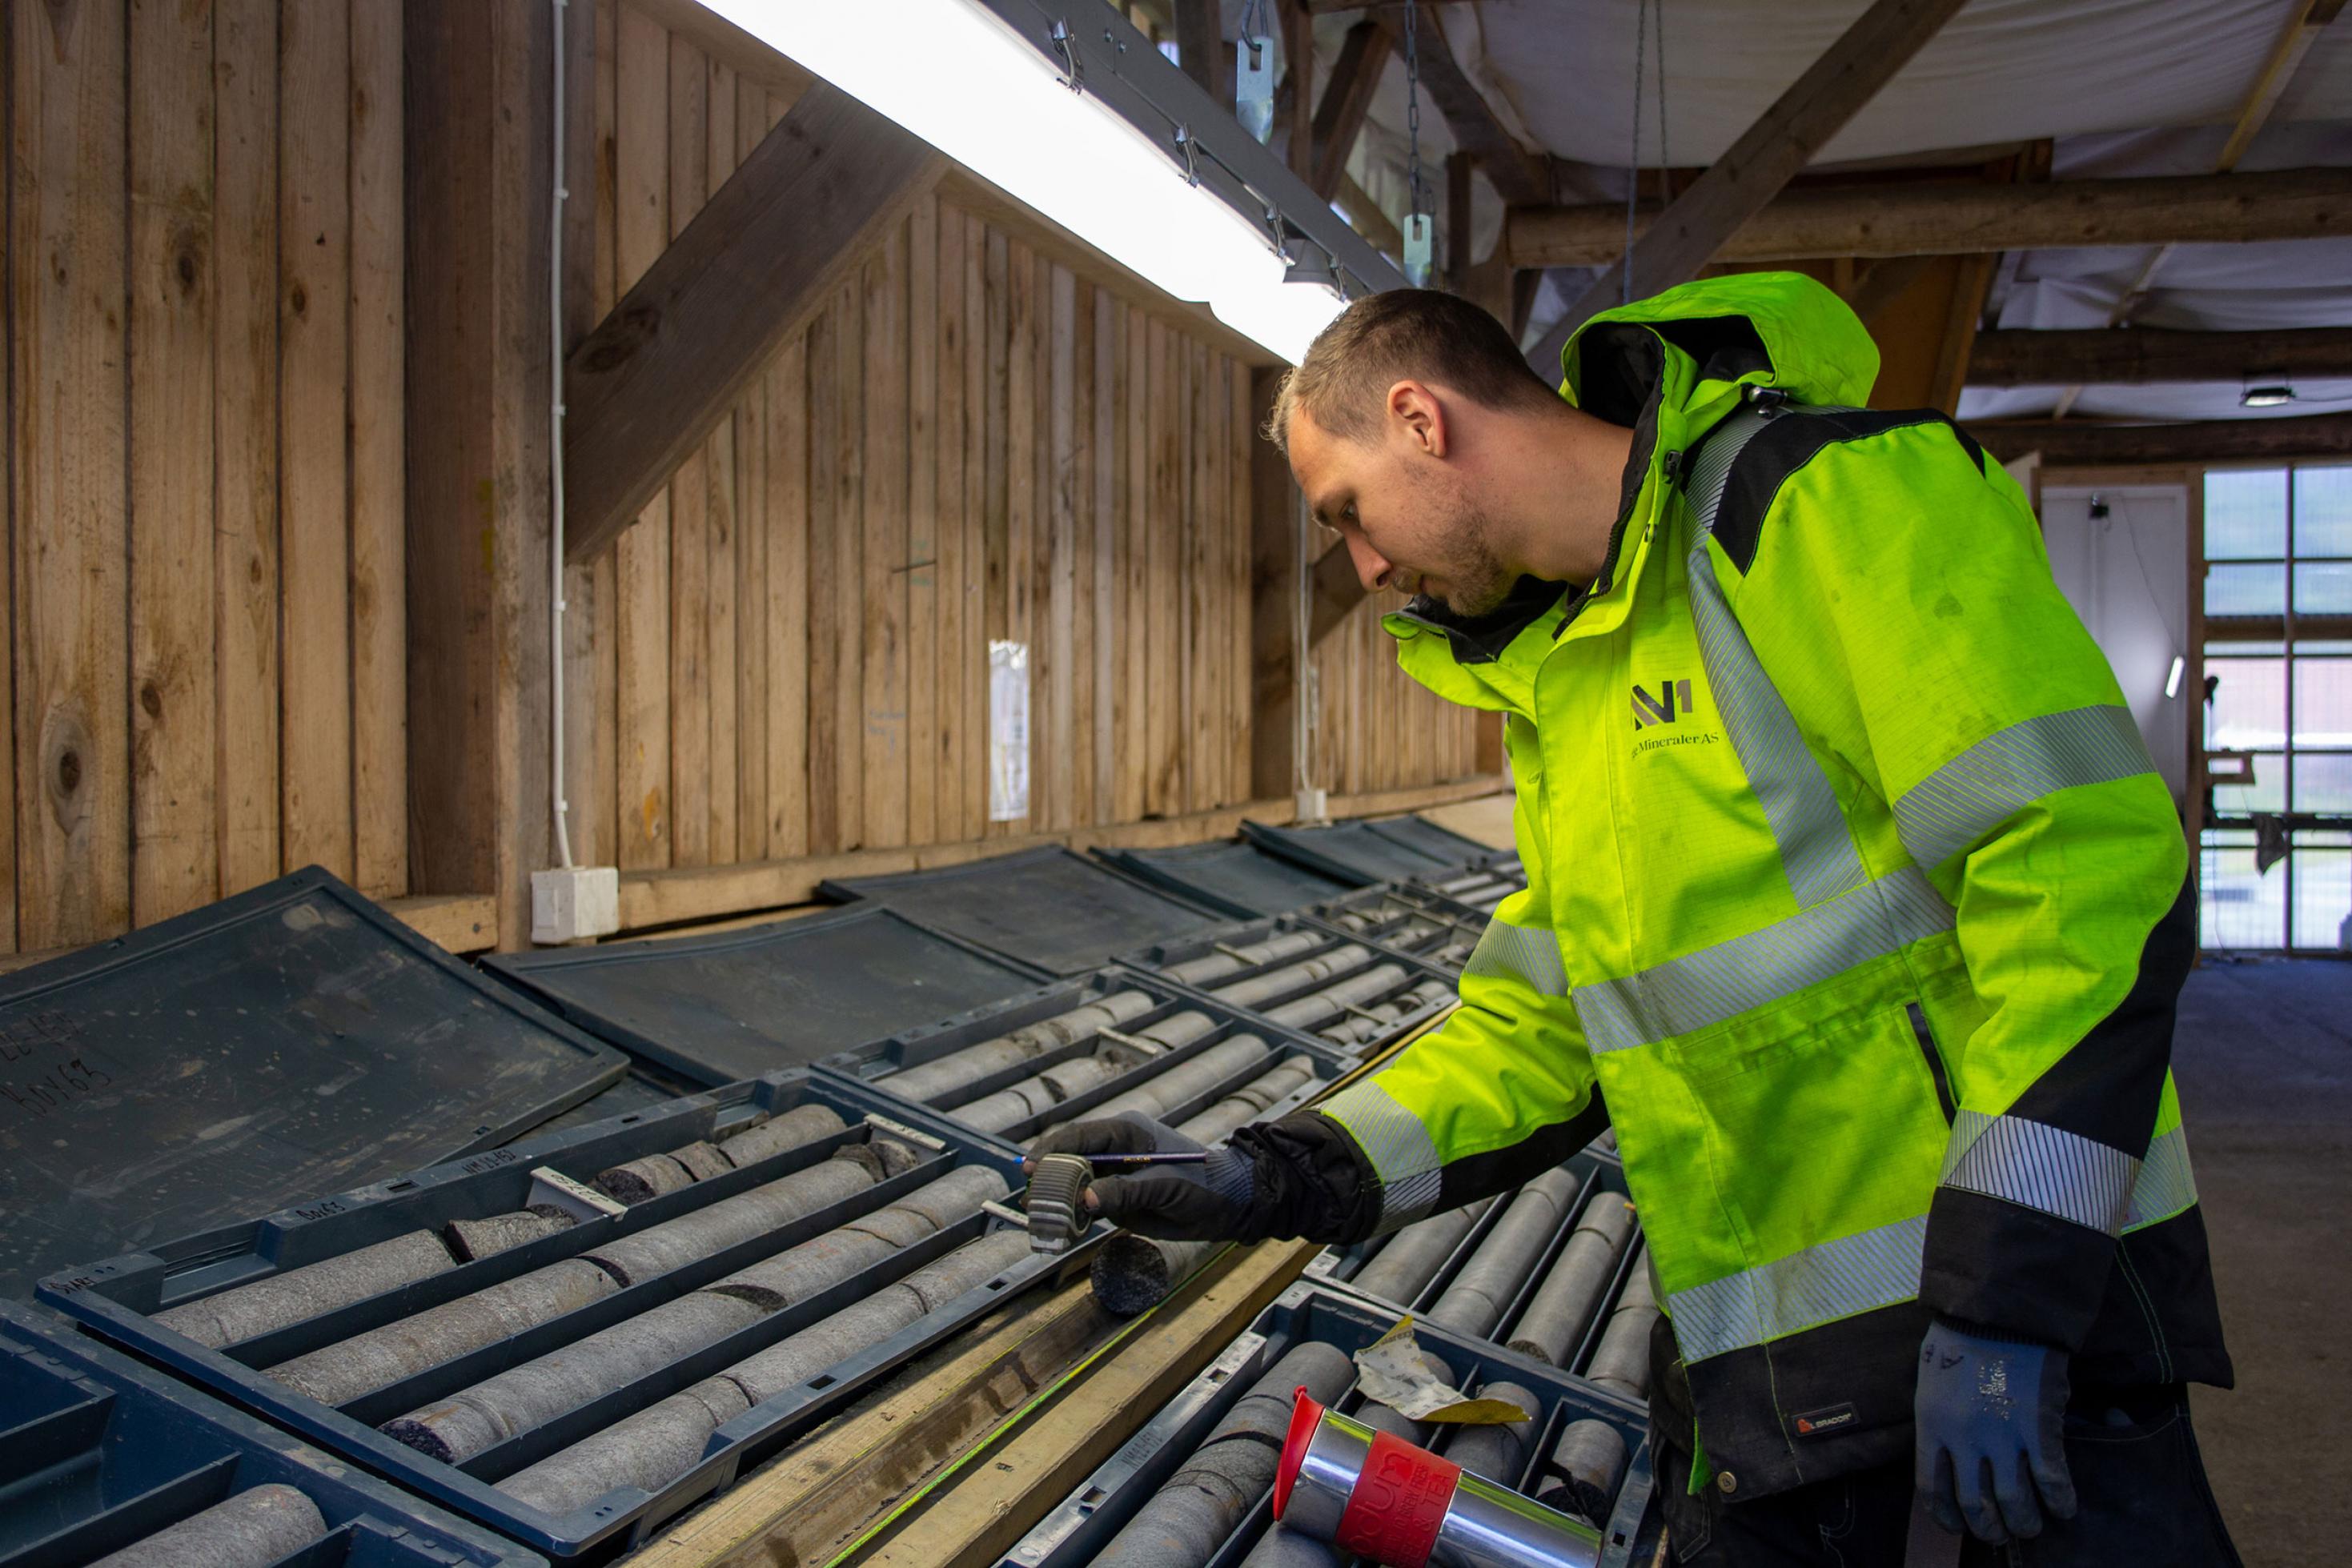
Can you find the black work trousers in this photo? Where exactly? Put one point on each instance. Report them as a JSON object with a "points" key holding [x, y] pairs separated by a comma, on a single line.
{"points": [[2144, 1503]]}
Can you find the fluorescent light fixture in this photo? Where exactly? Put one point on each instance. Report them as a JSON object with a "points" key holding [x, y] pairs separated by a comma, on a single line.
{"points": [[2172, 681], [957, 77]]}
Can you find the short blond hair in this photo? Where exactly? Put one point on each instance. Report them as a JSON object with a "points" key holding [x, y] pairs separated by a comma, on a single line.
{"points": [[1421, 334]]}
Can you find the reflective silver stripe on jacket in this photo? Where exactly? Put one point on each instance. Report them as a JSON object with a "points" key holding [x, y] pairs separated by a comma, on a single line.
{"points": [[2042, 1167], [1399, 1147], [1817, 1285], [1732, 978], [1872, 1269], [1520, 953], [1816, 848], [2166, 1185], [1980, 788]]}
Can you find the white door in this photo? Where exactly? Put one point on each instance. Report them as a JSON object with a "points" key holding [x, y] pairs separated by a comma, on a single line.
{"points": [[2127, 574]]}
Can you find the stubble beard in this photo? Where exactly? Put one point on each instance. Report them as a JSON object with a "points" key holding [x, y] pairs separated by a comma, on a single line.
{"points": [[1480, 583]]}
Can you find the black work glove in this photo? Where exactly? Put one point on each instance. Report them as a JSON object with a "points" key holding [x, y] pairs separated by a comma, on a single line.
{"points": [[1991, 1414], [1204, 1202]]}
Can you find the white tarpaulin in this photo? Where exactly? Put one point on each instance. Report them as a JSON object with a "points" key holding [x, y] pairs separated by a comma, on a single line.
{"points": [[2124, 87]]}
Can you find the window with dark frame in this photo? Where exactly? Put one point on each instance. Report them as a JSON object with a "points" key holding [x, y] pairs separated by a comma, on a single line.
{"points": [[2278, 657]]}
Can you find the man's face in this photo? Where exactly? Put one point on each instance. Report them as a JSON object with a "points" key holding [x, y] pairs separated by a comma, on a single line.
{"points": [[1404, 511]]}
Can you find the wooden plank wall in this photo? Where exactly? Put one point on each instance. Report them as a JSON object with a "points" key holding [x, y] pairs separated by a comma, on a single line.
{"points": [[1375, 730], [970, 442], [203, 307], [206, 651]]}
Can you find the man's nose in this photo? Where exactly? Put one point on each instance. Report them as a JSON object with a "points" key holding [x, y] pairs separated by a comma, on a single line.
{"points": [[1373, 569]]}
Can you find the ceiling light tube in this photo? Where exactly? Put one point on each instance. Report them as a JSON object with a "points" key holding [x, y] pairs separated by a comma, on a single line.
{"points": [[961, 77]]}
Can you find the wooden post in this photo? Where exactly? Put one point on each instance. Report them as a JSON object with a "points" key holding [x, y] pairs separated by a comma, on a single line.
{"points": [[1275, 653], [1299, 71], [71, 539], [477, 129]]}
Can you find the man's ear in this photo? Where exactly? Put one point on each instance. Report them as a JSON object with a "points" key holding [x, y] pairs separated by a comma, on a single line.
{"points": [[1414, 406]]}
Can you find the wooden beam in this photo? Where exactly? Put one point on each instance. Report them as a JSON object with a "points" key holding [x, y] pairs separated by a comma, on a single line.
{"points": [[1275, 653], [823, 1490], [461, 921], [1295, 102], [1347, 102], [1520, 177], [2083, 444], [1198, 47], [1945, 218], [1334, 591], [1956, 347], [1364, 216], [2139, 356], [991, 1505], [651, 383], [2278, 68], [1736, 187], [2301, 31]]}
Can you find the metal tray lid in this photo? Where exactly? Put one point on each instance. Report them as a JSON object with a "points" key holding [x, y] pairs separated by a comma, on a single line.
{"points": [[293, 1040], [1059, 910], [740, 1003]]}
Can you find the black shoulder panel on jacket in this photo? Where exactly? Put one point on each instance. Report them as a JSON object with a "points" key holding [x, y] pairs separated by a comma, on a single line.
{"points": [[1474, 1176], [1784, 446]]}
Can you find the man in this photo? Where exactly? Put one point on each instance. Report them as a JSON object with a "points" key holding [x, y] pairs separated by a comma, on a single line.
{"points": [[1854, 895]]}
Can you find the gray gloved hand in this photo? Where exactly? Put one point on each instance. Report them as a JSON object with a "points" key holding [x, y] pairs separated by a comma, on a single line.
{"points": [[1990, 1415], [1205, 1202]]}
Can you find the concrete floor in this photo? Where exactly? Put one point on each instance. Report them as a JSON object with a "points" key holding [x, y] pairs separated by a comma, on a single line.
{"points": [[2264, 1059]]}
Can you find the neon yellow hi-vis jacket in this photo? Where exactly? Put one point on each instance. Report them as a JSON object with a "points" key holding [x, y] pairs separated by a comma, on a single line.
{"points": [[1854, 895]]}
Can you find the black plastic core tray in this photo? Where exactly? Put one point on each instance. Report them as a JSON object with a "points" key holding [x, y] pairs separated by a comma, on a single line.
{"points": [[1356, 850], [114, 1300], [1231, 874], [731, 1006], [290, 1040], [914, 1048], [1417, 833], [98, 1451], [1061, 912], [1157, 959], [1336, 1267], [1078, 1530], [1389, 909]]}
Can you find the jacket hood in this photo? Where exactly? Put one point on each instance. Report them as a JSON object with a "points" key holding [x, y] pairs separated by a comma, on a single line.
{"points": [[1668, 368], [1779, 329]]}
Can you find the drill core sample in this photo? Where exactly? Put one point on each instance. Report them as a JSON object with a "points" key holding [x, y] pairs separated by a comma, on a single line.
{"points": [[1621, 1360], [662, 1442], [1182, 1525], [312, 1291], [252, 1530], [1571, 1292], [1412, 1258], [1479, 1294]]}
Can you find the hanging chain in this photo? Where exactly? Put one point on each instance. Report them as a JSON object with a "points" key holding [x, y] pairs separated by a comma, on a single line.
{"points": [[1253, 19], [1634, 157], [1412, 97]]}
